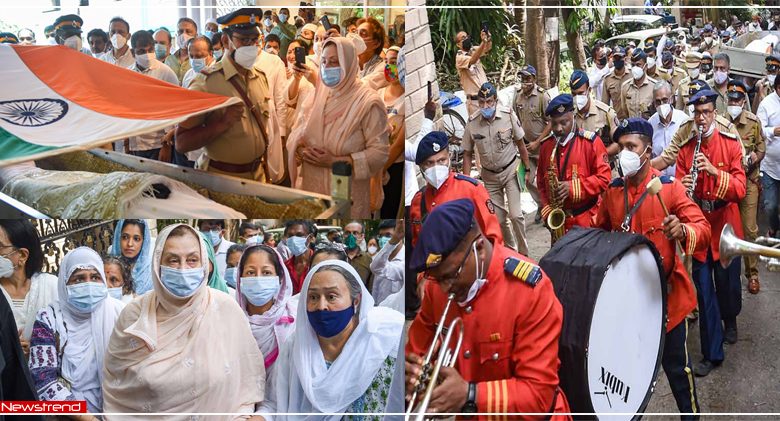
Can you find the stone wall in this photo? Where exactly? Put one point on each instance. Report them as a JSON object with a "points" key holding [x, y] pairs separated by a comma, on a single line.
{"points": [[419, 65]]}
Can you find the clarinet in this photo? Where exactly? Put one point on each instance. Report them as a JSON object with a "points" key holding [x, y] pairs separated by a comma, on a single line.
{"points": [[694, 172]]}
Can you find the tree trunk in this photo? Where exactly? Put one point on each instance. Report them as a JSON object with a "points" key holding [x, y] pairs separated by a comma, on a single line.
{"points": [[574, 42], [536, 46], [553, 47], [519, 18]]}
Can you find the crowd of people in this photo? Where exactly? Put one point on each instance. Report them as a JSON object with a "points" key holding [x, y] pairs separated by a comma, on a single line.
{"points": [[314, 92], [188, 321], [669, 108]]}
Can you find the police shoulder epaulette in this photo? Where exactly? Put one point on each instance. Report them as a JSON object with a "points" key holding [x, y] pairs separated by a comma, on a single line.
{"points": [[600, 105], [587, 134], [539, 89], [666, 179], [616, 182], [466, 178], [729, 135], [474, 115], [751, 116], [525, 271], [548, 137], [504, 109]]}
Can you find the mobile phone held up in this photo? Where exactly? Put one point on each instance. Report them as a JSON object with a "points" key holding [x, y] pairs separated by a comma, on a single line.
{"points": [[300, 56]]}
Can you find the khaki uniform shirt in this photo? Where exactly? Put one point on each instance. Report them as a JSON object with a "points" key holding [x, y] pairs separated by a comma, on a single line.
{"points": [[685, 132], [636, 100], [471, 76], [612, 84], [494, 140], [600, 118], [749, 129], [530, 109]]}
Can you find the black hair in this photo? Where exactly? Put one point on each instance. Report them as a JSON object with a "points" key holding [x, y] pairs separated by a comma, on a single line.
{"points": [[220, 222], [267, 236], [141, 39], [273, 38], [307, 225], [118, 19], [124, 269], [99, 33], [23, 235], [350, 21], [329, 249], [188, 20], [236, 247], [200, 38], [387, 223], [260, 248], [166, 31], [248, 226], [216, 39]]}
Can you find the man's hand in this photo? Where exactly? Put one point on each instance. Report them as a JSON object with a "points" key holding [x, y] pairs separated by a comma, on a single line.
{"points": [[673, 229], [451, 394], [413, 370], [564, 189], [776, 131], [704, 165], [687, 181], [430, 109], [232, 114], [398, 234]]}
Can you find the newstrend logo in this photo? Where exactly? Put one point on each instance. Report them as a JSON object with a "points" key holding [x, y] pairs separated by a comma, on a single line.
{"points": [[613, 386], [43, 407]]}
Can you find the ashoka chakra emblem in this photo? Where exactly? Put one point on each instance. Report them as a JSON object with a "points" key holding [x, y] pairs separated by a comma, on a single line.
{"points": [[33, 112]]}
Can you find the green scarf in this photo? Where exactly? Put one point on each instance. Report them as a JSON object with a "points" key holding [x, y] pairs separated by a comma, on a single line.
{"points": [[215, 280]]}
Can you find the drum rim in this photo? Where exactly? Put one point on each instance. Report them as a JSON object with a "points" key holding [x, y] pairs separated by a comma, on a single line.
{"points": [[651, 389]]}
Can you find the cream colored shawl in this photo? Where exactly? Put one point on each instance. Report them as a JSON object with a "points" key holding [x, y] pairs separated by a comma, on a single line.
{"points": [[193, 355]]}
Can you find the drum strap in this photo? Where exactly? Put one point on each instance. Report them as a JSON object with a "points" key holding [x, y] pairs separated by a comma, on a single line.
{"points": [[554, 401], [626, 226]]}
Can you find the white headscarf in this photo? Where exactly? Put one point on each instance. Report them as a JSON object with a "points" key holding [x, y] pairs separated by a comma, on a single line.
{"points": [[306, 385], [265, 327], [84, 336]]}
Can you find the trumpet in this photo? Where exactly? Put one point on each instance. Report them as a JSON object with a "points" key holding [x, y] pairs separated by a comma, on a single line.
{"points": [[694, 172], [557, 217], [731, 246], [445, 357]]}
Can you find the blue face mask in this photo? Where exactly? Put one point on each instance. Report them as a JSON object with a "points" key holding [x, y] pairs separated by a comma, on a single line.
{"points": [[230, 277], [160, 51], [115, 292], [259, 290], [297, 245], [217, 54], [181, 282], [197, 64], [282, 17], [209, 34], [331, 76], [330, 323], [488, 112], [86, 295], [215, 237], [383, 241]]}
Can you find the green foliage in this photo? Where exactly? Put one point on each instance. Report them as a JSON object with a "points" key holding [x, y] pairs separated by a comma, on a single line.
{"points": [[445, 23]]}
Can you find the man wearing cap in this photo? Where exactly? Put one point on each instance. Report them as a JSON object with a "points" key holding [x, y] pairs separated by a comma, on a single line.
{"points": [[627, 206], [591, 114], [637, 94], [235, 138], [469, 66], [496, 135], [725, 38], [749, 128], [614, 80], [530, 102], [693, 69], [666, 121], [769, 114], [708, 45], [512, 321], [580, 163], [720, 186], [765, 85], [442, 185], [669, 72], [774, 25], [67, 31], [8, 38], [26, 36], [707, 65], [687, 131]]}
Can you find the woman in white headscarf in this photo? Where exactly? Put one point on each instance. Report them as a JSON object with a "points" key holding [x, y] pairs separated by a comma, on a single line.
{"points": [[343, 121], [183, 347], [263, 290], [70, 336], [342, 356]]}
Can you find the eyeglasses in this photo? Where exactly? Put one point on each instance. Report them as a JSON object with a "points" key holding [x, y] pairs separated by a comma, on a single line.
{"points": [[244, 41], [705, 113]]}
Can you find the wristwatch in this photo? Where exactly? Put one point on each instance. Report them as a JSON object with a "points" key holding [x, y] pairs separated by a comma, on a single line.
{"points": [[471, 400]]}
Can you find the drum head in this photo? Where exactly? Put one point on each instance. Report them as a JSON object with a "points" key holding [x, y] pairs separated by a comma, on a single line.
{"points": [[626, 335]]}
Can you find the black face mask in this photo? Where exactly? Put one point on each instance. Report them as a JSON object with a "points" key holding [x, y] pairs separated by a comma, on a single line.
{"points": [[602, 61], [466, 44], [619, 64], [706, 68]]}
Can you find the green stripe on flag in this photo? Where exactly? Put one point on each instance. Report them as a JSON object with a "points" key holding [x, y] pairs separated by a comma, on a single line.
{"points": [[14, 147]]}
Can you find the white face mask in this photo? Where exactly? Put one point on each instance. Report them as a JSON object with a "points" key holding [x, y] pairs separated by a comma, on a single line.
{"points": [[6, 267], [580, 101], [693, 73], [318, 48], [246, 56], [771, 79], [372, 250], [436, 175], [477, 282], [664, 110], [734, 111], [650, 62], [630, 162], [637, 72], [709, 131], [181, 40], [145, 60], [721, 77], [708, 40], [564, 140], [74, 42], [118, 41]]}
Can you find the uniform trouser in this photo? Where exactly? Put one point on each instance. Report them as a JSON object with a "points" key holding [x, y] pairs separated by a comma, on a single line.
{"points": [[534, 160], [747, 210], [719, 294], [677, 366], [472, 106], [506, 183], [770, 188]]}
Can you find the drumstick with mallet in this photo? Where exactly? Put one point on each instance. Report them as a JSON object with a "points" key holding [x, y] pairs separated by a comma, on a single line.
{"points": [[654, 187]]}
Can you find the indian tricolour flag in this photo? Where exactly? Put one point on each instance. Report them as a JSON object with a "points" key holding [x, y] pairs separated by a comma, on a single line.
{"points": [[56, 100]]}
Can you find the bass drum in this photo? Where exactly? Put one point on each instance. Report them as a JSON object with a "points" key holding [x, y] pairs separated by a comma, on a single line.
{"points": [[612, 289]]}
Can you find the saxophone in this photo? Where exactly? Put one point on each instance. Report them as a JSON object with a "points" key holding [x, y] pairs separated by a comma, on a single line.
{"points": [[694, 172], [557, 217]]}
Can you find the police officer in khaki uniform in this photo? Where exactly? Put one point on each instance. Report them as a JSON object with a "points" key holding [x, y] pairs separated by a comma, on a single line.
{"points": [[765, 85], [693, 68], [530, 102], [470, 69], [637, 93], [497, 136], [669, 155], [749, 128], [592, 114], [235, 142], [669, 72], [614, 80]]}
